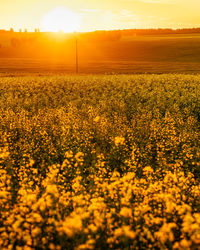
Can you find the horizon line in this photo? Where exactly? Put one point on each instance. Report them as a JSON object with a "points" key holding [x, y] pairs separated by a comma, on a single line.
{"points": [[37, 30]]}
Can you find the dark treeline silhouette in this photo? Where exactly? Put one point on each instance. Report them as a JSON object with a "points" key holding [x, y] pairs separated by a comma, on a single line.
{"points": [[160, 31], [123, 32]]}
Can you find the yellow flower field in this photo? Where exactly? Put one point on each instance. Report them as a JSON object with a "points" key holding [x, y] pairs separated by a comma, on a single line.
{"points": [[100, 162]]}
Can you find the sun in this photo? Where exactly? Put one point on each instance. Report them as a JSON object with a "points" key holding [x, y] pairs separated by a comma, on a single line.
{"points": [[61, 19]]}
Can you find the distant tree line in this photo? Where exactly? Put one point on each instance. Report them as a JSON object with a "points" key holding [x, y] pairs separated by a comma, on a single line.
{"points": [[159, 31], [114, 34], [20, 31]]}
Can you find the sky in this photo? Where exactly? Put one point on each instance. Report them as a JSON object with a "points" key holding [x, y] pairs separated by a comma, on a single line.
{"points": [[102, 14]]}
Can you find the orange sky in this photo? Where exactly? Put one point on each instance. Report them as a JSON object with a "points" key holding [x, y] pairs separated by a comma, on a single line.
{"points": [[103, 14]]}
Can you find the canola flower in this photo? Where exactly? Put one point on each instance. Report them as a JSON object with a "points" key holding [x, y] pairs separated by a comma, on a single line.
{"points": [[119, 140], [98, 162]]}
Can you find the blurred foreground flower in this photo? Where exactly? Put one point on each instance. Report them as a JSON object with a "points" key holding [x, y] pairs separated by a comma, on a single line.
{"points": [[119, 140]]}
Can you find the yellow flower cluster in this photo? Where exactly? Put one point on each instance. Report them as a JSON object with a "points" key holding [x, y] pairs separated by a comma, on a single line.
{"points": [[117, 212], [119, 140], [100, 162]]}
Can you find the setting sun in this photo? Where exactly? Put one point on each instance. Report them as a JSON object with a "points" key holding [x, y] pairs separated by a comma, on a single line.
{"points": [[61, 19]]}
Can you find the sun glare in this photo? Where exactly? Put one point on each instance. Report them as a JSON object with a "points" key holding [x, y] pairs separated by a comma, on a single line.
{"points": [[61, 19]]}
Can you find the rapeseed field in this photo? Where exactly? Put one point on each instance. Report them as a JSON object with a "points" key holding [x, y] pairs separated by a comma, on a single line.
{"points": [[100, 162]]}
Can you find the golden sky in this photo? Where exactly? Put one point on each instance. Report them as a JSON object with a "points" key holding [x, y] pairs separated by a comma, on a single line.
{"points": [[103, 14]]}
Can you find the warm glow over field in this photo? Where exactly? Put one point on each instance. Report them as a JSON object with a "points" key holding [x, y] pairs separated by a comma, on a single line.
{"points": [[61, 19]]}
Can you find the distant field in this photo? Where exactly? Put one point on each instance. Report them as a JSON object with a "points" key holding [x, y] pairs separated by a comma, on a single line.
{"points": [[20, 66], [130, 54]]}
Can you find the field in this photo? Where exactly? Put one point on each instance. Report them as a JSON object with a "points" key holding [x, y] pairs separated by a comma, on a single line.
{"points": [[44, 54], [100, 162]]}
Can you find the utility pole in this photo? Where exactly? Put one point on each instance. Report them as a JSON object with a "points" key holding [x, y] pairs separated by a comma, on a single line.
{"points": [[76, 53]]}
